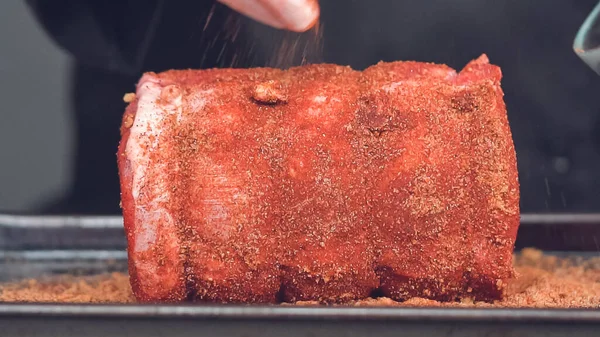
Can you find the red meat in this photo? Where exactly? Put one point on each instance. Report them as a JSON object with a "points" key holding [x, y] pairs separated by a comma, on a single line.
{"points": [[319, 183]]}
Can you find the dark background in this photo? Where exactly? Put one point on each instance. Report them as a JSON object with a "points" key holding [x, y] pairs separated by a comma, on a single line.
{"points": [[553, 99]]}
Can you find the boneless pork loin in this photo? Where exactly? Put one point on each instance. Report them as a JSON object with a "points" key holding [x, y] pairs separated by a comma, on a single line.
{"points": [[319, 183]]}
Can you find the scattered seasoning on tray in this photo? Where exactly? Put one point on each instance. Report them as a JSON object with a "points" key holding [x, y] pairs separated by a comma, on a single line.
{"points": [[107, 288], [543, 282]]}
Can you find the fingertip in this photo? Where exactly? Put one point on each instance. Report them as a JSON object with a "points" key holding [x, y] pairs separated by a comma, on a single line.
{"points": [[294, 15], [255, 10], [300, 15]]}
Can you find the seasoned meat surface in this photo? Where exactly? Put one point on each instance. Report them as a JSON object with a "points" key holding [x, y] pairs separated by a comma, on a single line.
{"points": [[319, 183]]}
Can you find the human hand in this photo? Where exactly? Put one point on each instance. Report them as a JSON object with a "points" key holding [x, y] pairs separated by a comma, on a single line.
{"points": [[293, 15]]}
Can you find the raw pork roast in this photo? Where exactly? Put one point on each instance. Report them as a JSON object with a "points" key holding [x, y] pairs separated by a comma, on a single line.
{"points": [[319, 183]]}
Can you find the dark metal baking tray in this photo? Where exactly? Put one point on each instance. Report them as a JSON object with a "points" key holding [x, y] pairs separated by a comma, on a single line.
{"points": [[36, 246]]}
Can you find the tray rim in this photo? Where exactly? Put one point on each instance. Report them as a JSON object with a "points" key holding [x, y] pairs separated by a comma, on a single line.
{"points": [[297, 313]]}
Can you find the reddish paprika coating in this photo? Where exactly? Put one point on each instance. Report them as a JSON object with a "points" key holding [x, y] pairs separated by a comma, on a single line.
{"points": [[319, 183]]}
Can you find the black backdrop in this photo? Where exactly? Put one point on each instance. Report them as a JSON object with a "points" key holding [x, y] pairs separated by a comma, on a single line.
{"points": [[553, 99]]}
